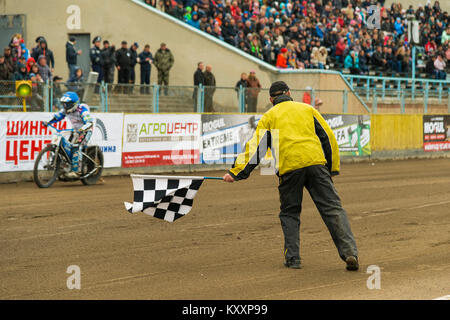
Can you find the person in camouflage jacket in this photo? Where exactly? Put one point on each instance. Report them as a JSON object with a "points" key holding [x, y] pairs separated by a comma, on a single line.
{"points": [[163, 62]]}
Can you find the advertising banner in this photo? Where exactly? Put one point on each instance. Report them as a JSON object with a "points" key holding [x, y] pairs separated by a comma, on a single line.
{"points": [[22, 136], [161, 139], [107, 135], [225, 136], [352, 133], [436, 133]]}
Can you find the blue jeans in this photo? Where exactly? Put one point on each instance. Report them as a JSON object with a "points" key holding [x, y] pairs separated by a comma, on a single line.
{"points": [[72, 70], [440, 74]]}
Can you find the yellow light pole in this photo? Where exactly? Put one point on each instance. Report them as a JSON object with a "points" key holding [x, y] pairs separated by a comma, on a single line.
{"points": [[23, 90]]}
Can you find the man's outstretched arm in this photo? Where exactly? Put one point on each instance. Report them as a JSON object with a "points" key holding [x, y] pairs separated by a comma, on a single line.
{"points": [[255, 150]]}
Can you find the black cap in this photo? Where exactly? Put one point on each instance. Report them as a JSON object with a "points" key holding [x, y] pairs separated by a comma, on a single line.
{"points": [[72, 39], [277, 88]]}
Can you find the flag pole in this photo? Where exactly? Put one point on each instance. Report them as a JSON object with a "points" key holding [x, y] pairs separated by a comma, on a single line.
{"points": [[212, 178]]}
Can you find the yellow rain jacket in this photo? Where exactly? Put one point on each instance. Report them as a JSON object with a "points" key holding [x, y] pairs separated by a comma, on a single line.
{"points": [[298, 137]]}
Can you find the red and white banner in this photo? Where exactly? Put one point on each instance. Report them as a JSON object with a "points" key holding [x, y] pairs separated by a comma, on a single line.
{"points": [[161, 139], [22, 136]]}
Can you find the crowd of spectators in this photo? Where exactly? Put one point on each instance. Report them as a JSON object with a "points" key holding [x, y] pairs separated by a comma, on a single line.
{"points": [[303, 34], [18, 63]]}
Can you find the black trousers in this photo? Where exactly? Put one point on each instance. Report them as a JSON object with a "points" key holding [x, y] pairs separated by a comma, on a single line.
{"points": [[145, 80], [124, 78], [317, 180], [108, 73]]}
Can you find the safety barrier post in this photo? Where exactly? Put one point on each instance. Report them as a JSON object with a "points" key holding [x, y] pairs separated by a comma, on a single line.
{"points": [[399, 89], [313, 97], [384, 88], [345, 101], [425, 98], [155, 98]]}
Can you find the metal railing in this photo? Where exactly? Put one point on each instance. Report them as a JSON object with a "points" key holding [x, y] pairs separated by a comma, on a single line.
{"points": [[401, 91], [377, 93]]}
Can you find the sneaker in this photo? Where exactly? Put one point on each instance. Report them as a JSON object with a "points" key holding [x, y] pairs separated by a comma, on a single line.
{"points": [[72, 175], [352, 263], [293, 263]]}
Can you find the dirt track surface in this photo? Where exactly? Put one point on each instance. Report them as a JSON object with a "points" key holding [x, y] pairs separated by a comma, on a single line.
{"points": [[230, 245]]}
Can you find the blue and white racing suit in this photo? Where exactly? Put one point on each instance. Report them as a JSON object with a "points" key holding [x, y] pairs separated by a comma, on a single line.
{"points": [[82, 124]]}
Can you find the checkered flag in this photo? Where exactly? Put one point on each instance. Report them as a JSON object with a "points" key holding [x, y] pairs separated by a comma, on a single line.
{"points": [[164, 197]]}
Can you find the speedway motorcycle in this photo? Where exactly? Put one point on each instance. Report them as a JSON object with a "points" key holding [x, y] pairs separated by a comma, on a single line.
{"points": [[54, 161]]}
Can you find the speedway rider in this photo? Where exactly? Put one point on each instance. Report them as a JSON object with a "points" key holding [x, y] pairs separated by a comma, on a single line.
{"points": [[82, 124]]}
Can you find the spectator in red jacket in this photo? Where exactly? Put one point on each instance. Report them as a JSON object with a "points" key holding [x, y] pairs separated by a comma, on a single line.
{"points": [[340, 48], [282, 59]]}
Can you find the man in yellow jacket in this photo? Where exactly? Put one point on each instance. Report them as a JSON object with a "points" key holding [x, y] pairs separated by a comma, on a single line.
{"points": [[307, 155]]}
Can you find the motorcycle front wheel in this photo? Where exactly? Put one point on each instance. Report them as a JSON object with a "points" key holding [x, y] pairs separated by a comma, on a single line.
{"points": [[46, 167]]}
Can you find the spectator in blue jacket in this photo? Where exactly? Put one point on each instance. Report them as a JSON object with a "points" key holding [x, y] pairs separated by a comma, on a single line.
{"points": [[194, 21], [145, 60], [399, 26], [351, 62], [319, 30]]}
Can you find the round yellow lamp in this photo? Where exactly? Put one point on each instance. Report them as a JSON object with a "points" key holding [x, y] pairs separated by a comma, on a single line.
{"points": [[23, 90]]}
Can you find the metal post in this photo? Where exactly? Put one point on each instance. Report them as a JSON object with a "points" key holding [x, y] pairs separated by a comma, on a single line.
{"points": [[448, 100], [413, 63], [241, 99], [203, 99], [155, 98], [345, 102], [368, 89], [425, 98], [440, 92], [199, 98], [106, 97], [384, 88], [46, 100], [399, 88], [51, 98], [402, 103], [413, 71], [313, 97], [375, 99]]}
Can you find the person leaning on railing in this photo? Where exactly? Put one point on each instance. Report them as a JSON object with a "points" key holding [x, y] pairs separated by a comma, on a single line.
{"points": [[76, 83], [439, 65]]}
